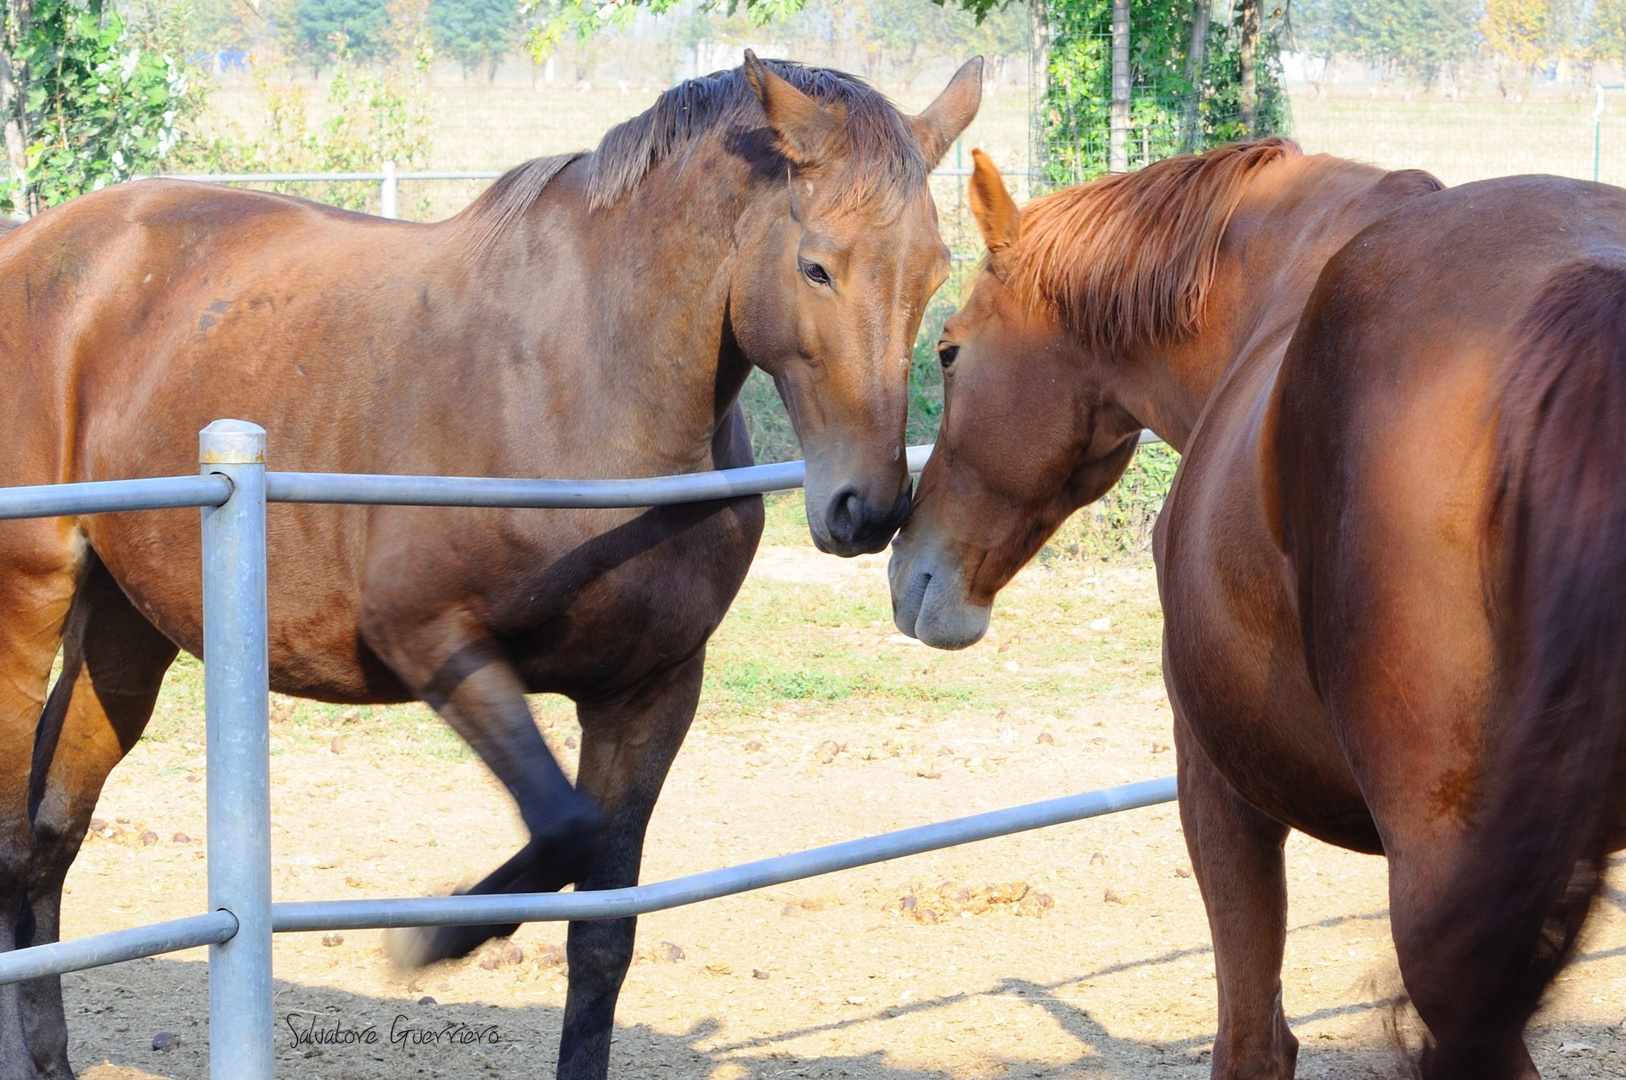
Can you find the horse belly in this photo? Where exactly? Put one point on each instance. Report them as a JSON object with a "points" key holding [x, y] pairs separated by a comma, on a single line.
{"points": [[313, 593]]}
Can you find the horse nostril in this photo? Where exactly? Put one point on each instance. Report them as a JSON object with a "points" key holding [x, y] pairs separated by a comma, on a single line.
{"points": [[844, 516]]}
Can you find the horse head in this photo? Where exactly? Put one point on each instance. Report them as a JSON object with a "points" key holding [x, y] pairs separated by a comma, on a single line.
{"points": [[1091, 302], [833, 275]]}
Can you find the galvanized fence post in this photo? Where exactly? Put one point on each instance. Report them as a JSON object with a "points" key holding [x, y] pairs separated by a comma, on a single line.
{"points": [[387, 193], [236, 684]]}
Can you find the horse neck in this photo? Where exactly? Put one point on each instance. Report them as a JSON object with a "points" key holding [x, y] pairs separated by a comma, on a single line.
{"points": [[1294, 216], [653, 366]]}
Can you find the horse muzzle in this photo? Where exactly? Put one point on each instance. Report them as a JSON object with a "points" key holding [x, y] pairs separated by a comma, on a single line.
{"points": [[851, 524], [929, 602]]}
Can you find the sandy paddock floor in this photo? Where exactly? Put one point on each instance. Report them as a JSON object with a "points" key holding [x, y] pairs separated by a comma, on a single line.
{"points": [[1080, 951]]}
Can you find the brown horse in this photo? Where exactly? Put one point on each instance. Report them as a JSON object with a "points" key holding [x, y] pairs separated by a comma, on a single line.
{"points": [[590, 316], [1392, 562]]}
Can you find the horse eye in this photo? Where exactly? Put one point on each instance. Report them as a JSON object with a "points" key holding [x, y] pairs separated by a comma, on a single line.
{"points": [[946, 354], [815, 273]]}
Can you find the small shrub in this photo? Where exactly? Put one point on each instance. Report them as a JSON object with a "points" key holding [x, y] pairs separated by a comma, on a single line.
{"points": [[1119, 525], [374, 116]]}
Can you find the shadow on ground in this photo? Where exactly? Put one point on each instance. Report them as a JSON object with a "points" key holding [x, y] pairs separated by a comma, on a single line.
{"points": [[114, 1014]]}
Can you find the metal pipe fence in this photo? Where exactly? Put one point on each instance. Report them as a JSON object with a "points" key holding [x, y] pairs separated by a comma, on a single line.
{"points": [[389, 179], [232, 490]]}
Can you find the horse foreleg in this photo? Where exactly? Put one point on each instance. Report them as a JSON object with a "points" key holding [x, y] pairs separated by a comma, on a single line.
{"points": [[627, 747], [113, 664], [476, 689], [1236, 853]]}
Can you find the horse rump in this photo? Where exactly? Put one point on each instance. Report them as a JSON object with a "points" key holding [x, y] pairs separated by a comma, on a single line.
{"points": [[1545, 808]]}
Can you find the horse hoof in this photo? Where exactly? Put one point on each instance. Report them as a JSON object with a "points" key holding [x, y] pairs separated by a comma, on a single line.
{"points": [[546, 864]]}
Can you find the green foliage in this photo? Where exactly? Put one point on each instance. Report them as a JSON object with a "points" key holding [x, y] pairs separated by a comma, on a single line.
{"points": [[896, 28], [1605, 36], [323, 29], [94, 107], [373, 117], [1220, 114], [1077, 112], [475, 32], [1119, 526], [1413, 39]]}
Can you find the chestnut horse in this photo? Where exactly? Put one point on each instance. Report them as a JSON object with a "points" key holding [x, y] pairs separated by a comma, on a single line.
{"points": [[589, 316], [1392, 562]]}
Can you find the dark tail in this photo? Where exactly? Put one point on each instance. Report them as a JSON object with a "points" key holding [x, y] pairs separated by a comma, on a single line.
{"points": [[7, 224], [1546, 800]]}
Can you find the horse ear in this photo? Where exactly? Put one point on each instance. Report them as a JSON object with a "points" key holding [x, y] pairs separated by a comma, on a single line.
{"points": [[941, 122], [807, 132], [996, 212]]}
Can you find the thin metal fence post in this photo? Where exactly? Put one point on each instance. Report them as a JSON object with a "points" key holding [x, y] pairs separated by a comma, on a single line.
{"points": [[236, 685], [387, 193], [1597, 131]]}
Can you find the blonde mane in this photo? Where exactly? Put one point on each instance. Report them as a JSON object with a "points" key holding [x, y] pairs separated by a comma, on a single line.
{"points": [[1129, 258]]}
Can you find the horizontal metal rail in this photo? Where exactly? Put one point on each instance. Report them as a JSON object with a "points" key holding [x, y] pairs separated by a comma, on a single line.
{"points": [[173, 492], [318, 177], [389, 180], [218, 927], [381, 176], [113, 496], [383, 489], [641, 899], [99, 950]]}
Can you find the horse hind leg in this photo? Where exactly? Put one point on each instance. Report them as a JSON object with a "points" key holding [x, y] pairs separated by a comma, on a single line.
{"points": [[39, 571], [113, 664]]}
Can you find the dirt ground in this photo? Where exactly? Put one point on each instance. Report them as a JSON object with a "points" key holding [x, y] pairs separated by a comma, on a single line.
{"points": [[1079, 951]]}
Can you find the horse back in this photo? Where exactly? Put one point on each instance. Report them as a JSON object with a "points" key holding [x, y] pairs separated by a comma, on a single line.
{"points": [[133, 317]]}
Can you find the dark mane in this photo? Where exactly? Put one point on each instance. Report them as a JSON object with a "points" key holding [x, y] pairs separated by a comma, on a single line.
{"points": [[1129, 258], [884, 153], [501, 204]]}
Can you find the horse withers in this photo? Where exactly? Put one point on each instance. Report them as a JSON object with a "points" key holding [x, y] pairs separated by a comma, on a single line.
{"points": [[591, 315], [1391, 562]]}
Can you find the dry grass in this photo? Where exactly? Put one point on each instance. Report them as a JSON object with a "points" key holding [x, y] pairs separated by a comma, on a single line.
{"points": [[1459, 141]]}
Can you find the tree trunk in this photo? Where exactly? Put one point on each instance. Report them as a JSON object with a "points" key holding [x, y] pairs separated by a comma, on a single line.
{"points": [[1038, 86], [1191, 139], [19, 15], [1248, 64], [1118, 122]]}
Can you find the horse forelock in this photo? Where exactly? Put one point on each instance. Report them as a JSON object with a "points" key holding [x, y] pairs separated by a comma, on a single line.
{"points": [[884, 158], [1130, 258]]}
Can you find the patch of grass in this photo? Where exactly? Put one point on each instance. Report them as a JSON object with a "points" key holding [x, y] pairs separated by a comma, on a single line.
{"points": [[785, 523]]}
